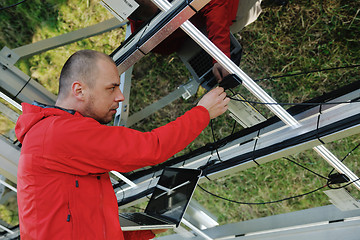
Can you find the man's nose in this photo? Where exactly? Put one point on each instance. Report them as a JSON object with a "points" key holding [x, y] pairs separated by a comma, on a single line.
{"points": [[119, 96]]}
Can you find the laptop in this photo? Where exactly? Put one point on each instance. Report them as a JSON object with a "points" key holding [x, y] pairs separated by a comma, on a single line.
{"points": [[167, 204]]}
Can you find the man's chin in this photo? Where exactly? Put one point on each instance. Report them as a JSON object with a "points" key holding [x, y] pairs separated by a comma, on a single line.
{"points": [[105, 120]]}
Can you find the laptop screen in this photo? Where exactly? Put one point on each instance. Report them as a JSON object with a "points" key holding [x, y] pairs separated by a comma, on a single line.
{"points": [[173, 193]]}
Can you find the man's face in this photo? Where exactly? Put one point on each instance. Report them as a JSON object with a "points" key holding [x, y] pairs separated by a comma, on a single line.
{"points": [[103, 98]]}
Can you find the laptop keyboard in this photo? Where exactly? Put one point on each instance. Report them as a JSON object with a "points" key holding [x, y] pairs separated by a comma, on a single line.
{"points": [[141, 219]]}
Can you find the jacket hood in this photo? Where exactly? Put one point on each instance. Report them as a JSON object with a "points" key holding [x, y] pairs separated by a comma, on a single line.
{"points": [[33, 113]]}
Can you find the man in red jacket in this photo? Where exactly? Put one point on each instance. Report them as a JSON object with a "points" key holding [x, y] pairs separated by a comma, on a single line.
{"points": [[219, 18], [64, 190]]}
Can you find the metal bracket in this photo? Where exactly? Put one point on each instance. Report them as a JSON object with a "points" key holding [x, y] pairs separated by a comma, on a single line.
{"points": [[187, 89], [190, 89]]}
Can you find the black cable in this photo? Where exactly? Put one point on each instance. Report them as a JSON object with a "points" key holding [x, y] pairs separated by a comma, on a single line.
{"points": [[13, 5], [232, 91], [151, 180], [276, 201], [249, 203], [233, 129], [303, 73], [213, 135], [289, 75], [348, 154], [317, 174], [22, 88], [318, 124]]}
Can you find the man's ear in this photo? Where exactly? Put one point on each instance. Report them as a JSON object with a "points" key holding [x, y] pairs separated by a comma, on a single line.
{"points": [[77, 89]]}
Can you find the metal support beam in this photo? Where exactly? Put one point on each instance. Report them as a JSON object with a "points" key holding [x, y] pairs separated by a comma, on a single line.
{"points": [[12, 102], [6, 197], [6, 229], [199, 216], [64, 39], [322, 223], [183, 91], [8, 185], [122, 112], [18, 85], [9, 159], [13, 234], [9, 113], [195, 229]]}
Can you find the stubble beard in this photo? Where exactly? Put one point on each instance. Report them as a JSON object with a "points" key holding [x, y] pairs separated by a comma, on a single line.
{"points": [[91, 112]]}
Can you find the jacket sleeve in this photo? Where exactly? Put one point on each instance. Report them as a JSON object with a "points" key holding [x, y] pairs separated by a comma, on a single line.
{"points": [[80, 145], [217, 23], [138, 235]]}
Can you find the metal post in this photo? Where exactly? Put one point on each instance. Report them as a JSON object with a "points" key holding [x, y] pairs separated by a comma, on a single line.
{"points": [[9, 100], [6, 229], [122, 177], [8, 185], [184, 91], [122, 113], [195, 229]]}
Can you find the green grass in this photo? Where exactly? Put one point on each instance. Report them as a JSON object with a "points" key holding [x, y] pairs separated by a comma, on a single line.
{"points": [[302, 36]]}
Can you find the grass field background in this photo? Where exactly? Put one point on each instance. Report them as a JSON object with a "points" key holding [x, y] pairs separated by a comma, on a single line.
{"points": [[299, 37]]}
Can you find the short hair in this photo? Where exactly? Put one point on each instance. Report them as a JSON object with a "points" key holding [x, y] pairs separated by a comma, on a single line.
{"points": [[81, 66]]}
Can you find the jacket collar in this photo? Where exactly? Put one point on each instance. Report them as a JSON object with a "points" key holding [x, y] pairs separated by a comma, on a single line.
{"points": [[35, 103]]}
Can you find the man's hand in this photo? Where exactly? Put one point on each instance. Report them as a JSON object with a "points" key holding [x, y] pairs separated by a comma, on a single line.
{"points": [[219, 72], [215, 102]]}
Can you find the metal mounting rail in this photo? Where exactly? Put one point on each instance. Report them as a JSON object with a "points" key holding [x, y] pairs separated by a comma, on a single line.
{"points": [[325, 222], [64, 39]]}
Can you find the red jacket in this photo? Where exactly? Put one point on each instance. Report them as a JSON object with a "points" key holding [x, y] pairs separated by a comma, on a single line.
{"points": [[217, 16], [64, 190]]}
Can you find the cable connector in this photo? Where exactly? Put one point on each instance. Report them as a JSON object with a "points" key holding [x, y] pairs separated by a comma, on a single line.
{"points": [[338, 178], [230, 81]]}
